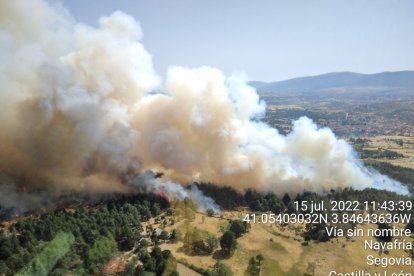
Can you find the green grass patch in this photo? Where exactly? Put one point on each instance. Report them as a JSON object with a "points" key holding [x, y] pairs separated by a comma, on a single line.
{"points": [[277, 234], [295, 270], [224, 225], [268, 267], [44, 262], [276, 246]]}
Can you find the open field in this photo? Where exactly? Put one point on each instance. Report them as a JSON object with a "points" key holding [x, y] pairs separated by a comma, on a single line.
{"points": [[399, 144], [283, 251], [183, 270]]}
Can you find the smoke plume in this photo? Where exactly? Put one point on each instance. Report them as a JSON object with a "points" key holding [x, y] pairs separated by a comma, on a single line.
{"points": [[147, 182], [81, 107]]}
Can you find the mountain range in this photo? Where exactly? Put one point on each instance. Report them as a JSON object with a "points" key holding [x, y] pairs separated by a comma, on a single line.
{"points": [[400, 79], [340, 87]]}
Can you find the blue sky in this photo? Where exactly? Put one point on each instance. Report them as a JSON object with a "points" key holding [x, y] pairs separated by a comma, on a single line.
{"points": [[269, 40]]}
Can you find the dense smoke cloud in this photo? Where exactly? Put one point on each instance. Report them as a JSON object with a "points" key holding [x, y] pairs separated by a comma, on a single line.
{"points": [[82, 108]]}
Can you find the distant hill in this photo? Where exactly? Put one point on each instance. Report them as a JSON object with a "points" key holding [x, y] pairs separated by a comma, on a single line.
{"points": [[401, 79], [341, 87]]}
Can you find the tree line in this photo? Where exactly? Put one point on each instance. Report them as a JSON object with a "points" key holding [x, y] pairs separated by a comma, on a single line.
{"points": [[98, 232]]}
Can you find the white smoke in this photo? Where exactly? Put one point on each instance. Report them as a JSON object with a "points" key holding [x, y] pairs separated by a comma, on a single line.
{"points": [[79, 108], [146, 182]]}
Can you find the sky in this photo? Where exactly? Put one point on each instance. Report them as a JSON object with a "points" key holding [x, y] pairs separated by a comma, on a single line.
{"points": [[269, 40]]}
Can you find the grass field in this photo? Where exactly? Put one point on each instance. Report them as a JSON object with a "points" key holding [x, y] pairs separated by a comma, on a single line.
{"points": [[283, 251], [390, 143]]}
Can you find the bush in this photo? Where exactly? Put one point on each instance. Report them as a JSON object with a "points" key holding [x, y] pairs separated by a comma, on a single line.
{"points": [[199, 242], [220, 269], [210, 212]]}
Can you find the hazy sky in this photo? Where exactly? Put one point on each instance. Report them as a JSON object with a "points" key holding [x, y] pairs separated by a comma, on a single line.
{"points": [[268, 39]]}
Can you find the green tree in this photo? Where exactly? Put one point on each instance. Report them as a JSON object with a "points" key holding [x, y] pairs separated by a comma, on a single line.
{"points": [[291, 209], [220, 269], [237, 227], [210, 212], [260, 258], [386, 237], [173, 235], [155, 209], [286, 199], [150, 265], [145, 213], [100, 252], [211, 244], [130, 268], [4, 269], [253, 268], [228, 242], [170, 264], [139, 271], [164, 235]]}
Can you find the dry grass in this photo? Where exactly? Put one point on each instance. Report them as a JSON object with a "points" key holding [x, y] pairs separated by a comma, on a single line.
{"points": [[389, 143], [285, 255], [183, 270]]}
